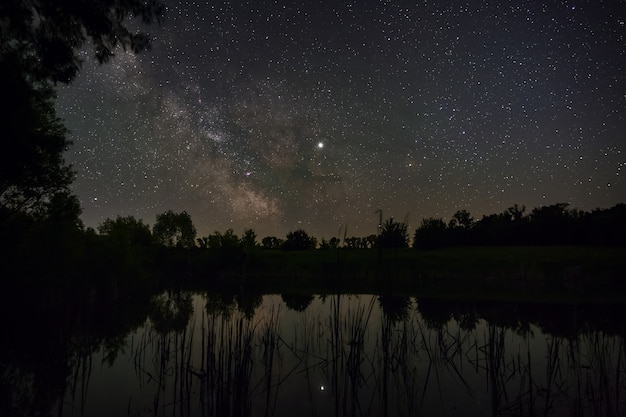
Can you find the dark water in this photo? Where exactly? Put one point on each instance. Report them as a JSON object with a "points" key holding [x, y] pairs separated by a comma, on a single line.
{"points": [[191, 354]]}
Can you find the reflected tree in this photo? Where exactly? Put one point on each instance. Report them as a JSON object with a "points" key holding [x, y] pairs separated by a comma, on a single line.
{"points": [[395, 308], [297, 302], [248, 302], [220, 303], [435, 313], [171, 312]]}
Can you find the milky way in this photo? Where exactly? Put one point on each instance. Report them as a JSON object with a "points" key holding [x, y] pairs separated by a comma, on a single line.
{"points": [[420, 110]]}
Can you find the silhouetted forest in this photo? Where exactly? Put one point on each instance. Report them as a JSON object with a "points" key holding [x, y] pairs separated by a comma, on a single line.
{"points": [[56, 243], [547, 225]]}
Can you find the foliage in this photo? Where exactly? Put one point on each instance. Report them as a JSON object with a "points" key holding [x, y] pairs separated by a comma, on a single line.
{"points": [[299, 240], [48, 241], [40, 42], [546, 225], [431, 234], [462, 219], [171, 312], [227, 240], [393, 235], [367, 242], [333, 243], [248, 240], [62, 207], [49, 34], [32, 168], [297, 302], [272, 242], [174, 230], [393, 307], [126, 231]]}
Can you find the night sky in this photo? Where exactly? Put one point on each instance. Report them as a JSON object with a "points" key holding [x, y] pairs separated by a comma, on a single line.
{"points": [[277, 115]]}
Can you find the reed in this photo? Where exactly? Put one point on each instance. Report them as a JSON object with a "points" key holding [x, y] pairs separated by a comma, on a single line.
{"points": [[355, 359]]}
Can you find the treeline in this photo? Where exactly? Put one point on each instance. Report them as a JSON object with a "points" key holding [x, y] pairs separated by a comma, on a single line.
{"points": [[55, 242], [547, 225]]}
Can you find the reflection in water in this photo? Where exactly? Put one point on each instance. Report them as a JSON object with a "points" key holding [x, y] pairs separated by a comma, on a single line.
{"points": [[343, 355]]}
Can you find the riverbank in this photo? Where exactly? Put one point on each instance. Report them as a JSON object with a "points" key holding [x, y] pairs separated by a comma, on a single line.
{"points": [[464, 272]]}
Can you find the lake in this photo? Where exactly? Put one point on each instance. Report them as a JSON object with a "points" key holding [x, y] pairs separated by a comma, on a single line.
{"points": [[214, 354]]}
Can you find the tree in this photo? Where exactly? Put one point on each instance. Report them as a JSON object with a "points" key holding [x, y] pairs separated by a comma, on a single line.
{"points": [[459, 228], [39, 45], [174, 230], [203, 242], [48, 34], [463, 219], [393, 235], [297, 302], [248, 240], [126, 231], [127, 239], [552, 224], [516, 212], [431, 234], [32, 168], [271, 242], [299, 240]]}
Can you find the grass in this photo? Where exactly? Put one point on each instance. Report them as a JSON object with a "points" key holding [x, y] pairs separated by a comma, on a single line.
{"points": [[528, 272], [457, 259]]}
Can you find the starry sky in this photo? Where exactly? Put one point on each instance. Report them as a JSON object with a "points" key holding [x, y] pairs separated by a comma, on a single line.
{"points": [[280, 115]]}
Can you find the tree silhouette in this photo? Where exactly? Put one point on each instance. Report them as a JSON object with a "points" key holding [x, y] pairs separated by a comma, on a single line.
{"points": [[334, 242], [393, 235], [459, 228], [48, 34], [516, 212], [299, 240], [125, 243], [552, 224], [174, 230], [226, 241], [32, 168], [394, 307], [463, 219], [297, 302], [126, 231], [39, 45], [431, 234], [271, 242], [170, 312], [248, 240]]}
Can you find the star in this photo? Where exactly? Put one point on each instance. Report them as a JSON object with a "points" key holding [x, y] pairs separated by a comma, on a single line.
{"points": [[418, 100]]}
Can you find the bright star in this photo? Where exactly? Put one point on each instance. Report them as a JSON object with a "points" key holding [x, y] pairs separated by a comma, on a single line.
{"points": [[320, 145]]}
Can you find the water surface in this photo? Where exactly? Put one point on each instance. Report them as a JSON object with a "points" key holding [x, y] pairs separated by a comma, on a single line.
{"points": [[200, 354]]}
